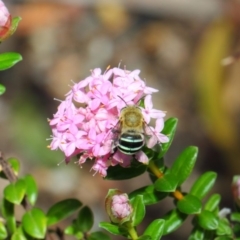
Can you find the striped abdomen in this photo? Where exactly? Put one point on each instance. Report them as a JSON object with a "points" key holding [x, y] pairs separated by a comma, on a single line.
{"points": [[130, 142]]}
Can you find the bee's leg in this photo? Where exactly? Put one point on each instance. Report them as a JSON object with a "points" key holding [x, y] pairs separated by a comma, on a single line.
{"points": [[114, 145]]}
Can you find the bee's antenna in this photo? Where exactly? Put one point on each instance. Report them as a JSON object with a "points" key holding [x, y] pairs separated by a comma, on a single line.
{"points": [[123, 100]]}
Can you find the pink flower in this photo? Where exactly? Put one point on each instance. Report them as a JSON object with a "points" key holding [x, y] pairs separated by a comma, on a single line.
{"points": [[5, 21], [121, 159], [100, 167], [4, 14], [87, 121], [149, 112], [156, 135]]}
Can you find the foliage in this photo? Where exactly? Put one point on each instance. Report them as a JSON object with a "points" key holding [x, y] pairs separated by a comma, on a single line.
{"points": [[208, 222]]}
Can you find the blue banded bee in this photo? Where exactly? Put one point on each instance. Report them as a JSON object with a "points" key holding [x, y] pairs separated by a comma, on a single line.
{"points": [[131, 137]]}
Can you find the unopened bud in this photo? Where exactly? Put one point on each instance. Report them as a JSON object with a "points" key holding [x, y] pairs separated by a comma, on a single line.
{"points": [[5, 21], [236, 189], [118, 206]]}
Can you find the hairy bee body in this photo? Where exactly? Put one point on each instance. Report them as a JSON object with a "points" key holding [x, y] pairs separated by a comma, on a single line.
{"points": [[131, 138]]}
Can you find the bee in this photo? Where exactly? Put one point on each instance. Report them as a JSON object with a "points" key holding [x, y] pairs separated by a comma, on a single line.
{"points": [[131, 137]]}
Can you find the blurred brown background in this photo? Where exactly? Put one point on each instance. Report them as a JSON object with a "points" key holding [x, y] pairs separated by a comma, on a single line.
{"points": [[179, 46]]}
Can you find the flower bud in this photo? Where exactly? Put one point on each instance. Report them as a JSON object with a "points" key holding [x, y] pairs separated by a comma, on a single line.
{"points": [[5, 22], [236, 189], [118, 206]]}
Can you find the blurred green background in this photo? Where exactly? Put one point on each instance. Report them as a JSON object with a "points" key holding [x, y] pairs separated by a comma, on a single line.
{"points": [[179, 47]]}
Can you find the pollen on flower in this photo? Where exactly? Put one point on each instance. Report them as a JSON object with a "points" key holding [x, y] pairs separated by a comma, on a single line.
{"points": [[84, 124]]}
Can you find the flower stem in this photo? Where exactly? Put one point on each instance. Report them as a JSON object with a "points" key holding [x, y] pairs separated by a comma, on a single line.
{"points": [[158, 173], [154, 169], [177, 194], [132, 232]]}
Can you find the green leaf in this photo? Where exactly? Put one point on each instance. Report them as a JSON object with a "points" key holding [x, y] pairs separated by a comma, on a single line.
{"points": [[183, 165], [235, 217], [144, 237], [203, 184], [150, 195], [15, 166], [138, 210], [197, 234], [98, 235], [9, 59], [167, 183], [73, 229], [121, 173], [85, 219], [34, 223], [2, 89], [8, 214], [212, 203], [207, 220], [18, 235], [236, 230], [14, 24], [155, 229], [14, 192], [169, 129], [3, 231], [173, 220], [189, 204], [224, 227], [62, 210], [225, 238], [31, 189], [114, 229]]}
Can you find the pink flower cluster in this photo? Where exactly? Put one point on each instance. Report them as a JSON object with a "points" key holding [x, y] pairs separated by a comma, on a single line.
{"points": [[85, 120]]}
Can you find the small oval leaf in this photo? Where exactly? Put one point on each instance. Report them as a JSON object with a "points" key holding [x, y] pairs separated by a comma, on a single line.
{"points": [[114, 229], [14, 192], [34, 223], [169, 129], [203, 184], [18, 234], [212, 203], [85, 219], [62, 210], [31, 189], [9, 59], [183, 165], [189, 205], [121, 173], [207, 220], [155, 229], [2, 89], [197, 233], [224, 228], [167, 183], [173, 220], [235, 217], [138, 210], [7, 210], [3, 231]]}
